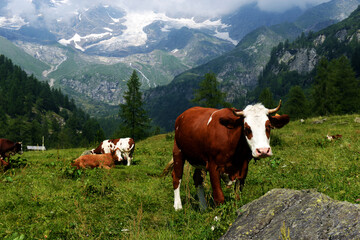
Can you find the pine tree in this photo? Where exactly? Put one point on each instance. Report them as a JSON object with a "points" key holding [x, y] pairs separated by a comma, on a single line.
{"points": [[324, 90], [296, 105], [134, 119], [266, 98], [335, 90], [347, 84], [209, 95]]}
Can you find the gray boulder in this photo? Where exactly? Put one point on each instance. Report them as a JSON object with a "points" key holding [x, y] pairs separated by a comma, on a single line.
{"points": [[294, 214]]}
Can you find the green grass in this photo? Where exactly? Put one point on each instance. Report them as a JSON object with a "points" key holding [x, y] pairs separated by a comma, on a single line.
{"points": [[47, 199]]}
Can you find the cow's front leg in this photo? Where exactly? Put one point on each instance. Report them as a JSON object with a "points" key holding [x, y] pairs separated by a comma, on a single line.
{"points": [[240, 181], [218, 194]]}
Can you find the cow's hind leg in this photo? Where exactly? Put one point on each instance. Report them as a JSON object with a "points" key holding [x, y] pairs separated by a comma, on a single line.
{"points": [[198, 177], [177, 175]]}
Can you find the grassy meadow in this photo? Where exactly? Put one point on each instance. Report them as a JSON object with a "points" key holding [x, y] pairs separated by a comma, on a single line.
{"points": [[42, 197]]}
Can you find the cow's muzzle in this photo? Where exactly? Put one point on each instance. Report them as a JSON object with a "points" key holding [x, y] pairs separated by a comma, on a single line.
{"points": [[263, 152]]}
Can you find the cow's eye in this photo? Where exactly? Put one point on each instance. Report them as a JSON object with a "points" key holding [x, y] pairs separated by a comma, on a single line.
{"points": [[247, 130]]}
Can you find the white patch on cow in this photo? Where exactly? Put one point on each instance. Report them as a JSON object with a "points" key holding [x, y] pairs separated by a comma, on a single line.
{"points": [[256, 117], [177, 199], [201, 196], [211, 117], [107, 146]]}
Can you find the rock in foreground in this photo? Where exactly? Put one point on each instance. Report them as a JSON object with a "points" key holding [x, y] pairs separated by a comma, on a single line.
{"points": [[305, 214]]}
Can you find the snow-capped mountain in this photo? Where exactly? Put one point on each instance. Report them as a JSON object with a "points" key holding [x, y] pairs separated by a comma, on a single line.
{"points": [[110, 31]]}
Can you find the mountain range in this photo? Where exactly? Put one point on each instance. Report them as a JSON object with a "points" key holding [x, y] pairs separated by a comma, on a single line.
{"points": [[91, 55]]}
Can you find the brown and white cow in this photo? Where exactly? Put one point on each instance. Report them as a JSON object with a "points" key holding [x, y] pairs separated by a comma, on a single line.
{"points": [[106, 160], [222, 142], [125, 145], [8, 148]]}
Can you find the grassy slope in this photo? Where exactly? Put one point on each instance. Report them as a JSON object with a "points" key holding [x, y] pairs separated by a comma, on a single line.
{"points": [[21, 58], [135, 203]]}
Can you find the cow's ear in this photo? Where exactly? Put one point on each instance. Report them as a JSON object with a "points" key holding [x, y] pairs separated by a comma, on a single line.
{"points": [[231, 121], [278, 121]]}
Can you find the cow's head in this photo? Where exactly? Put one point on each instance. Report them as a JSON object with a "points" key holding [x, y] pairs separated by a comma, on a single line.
{"points": [[257, 126]]}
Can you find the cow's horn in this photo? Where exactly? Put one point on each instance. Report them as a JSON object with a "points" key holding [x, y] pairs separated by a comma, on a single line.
{"points": [[238, 113], [275, 109]]}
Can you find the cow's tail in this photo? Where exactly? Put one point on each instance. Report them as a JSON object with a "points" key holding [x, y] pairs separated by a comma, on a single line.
{"points": [[169, 167]]}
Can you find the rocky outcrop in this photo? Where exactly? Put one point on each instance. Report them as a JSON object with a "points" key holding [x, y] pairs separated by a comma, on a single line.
{"points": [[304, 214], [302, 60]]}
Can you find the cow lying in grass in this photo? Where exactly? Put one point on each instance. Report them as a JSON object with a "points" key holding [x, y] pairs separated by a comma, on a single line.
{"points": [[106, 160]]}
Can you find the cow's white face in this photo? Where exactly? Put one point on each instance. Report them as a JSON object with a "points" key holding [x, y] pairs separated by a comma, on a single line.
{"points": [[257, 128]]}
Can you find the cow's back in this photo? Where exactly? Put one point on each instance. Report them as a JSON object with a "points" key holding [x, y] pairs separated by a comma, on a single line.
{"points": [[191, 131]]}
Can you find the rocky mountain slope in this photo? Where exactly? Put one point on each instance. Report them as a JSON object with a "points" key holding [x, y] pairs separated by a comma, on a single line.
{"points": [[238, 70]]}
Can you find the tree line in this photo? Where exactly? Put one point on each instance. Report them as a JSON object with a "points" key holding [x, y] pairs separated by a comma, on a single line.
{"points": [[31, 111]]}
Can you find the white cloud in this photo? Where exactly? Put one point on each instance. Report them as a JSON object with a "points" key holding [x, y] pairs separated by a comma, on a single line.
{"points": [[64, 9]]}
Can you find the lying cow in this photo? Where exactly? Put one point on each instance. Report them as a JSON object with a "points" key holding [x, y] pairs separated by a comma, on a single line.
{"points": [[8, 148], [106, 160], [221, 142], [125, 145]]}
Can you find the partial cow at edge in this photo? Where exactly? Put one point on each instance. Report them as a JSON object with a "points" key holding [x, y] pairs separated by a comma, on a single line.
{"points": [[222, 142], [7, 149], [125, 145]]}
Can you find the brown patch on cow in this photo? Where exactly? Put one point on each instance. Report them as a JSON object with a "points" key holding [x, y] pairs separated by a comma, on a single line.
{"points": [[268, 128], [115, 141], [247, 131], [131, 142]]}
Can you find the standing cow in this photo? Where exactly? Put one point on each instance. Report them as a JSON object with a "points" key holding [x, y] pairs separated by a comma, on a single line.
{"points": [[125, 145], [222, 142], [8, 148]]}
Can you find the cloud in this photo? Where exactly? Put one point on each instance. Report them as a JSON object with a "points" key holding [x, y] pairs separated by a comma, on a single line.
{"points": [[283, 5], [65, 9]]}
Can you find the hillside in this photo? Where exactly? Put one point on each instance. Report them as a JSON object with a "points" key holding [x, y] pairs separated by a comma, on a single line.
{"points": [[301, 57], [21, 58], [239, 69], [32, 112], [46, 199]]}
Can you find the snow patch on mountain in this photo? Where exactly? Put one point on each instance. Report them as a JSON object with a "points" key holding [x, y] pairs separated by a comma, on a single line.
{"points": [[78, 40], [134, 35]]}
